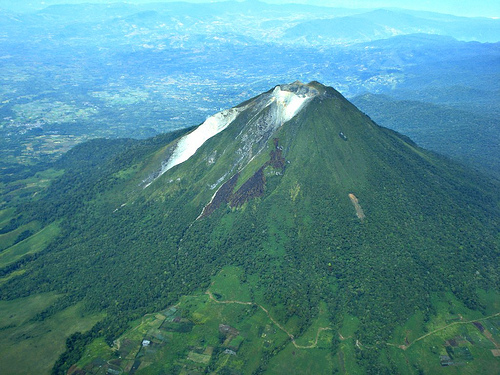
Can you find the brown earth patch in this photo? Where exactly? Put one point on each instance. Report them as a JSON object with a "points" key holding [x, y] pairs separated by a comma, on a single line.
{"points": [[277, 160], [479, 326], [359, 211], [489, 336], [221, 196], [252, 188]]}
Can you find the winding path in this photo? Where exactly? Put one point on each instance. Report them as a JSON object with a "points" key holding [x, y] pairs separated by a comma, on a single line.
{"points": [[292, 338], [404, 347], [321, 329]]}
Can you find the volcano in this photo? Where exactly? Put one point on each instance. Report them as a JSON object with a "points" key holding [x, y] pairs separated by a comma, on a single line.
{"points": [[334, 229]]}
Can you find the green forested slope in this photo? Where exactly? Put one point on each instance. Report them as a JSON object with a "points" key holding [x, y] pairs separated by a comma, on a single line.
{"points": [[461, 133]]}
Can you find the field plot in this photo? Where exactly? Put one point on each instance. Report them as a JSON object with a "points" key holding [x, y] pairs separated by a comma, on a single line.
{"points": [[458, 349], [457, 341], [227, 286], [33, 244], [44, 340], [211, 333], [311, 353], [11, 238]]}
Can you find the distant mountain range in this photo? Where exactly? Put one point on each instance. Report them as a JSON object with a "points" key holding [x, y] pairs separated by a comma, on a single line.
{"points": [[289, 23], [382, 24]]}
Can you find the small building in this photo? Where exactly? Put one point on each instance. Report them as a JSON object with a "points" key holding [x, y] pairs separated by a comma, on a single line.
{"points": [[445, 360], [230, 352], [146, 343]]}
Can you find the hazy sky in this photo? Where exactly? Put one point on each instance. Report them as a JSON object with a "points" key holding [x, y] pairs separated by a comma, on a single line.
{"points": [[486, 8]]}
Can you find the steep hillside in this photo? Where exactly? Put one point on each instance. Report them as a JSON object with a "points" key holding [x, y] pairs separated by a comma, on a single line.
{"points": [[461, 134]]}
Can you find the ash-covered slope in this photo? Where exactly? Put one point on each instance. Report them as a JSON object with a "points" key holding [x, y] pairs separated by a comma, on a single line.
{"points": [[314, 203], [262, 116]]}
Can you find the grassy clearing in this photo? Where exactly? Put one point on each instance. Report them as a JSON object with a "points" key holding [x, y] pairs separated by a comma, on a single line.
{"points": [[349, 327], [490, 298], [43, 178], [451, 333], [5, 216], [227, 285], [16, 312], [34, 244], [27, 346], [11, 275], [316, 335], [27, 189], [301, 361], [8, 239]]}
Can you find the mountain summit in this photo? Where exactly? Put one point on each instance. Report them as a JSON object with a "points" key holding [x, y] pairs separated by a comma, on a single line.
{"points": [[266, 114], [323, 222], [305, 122]]}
